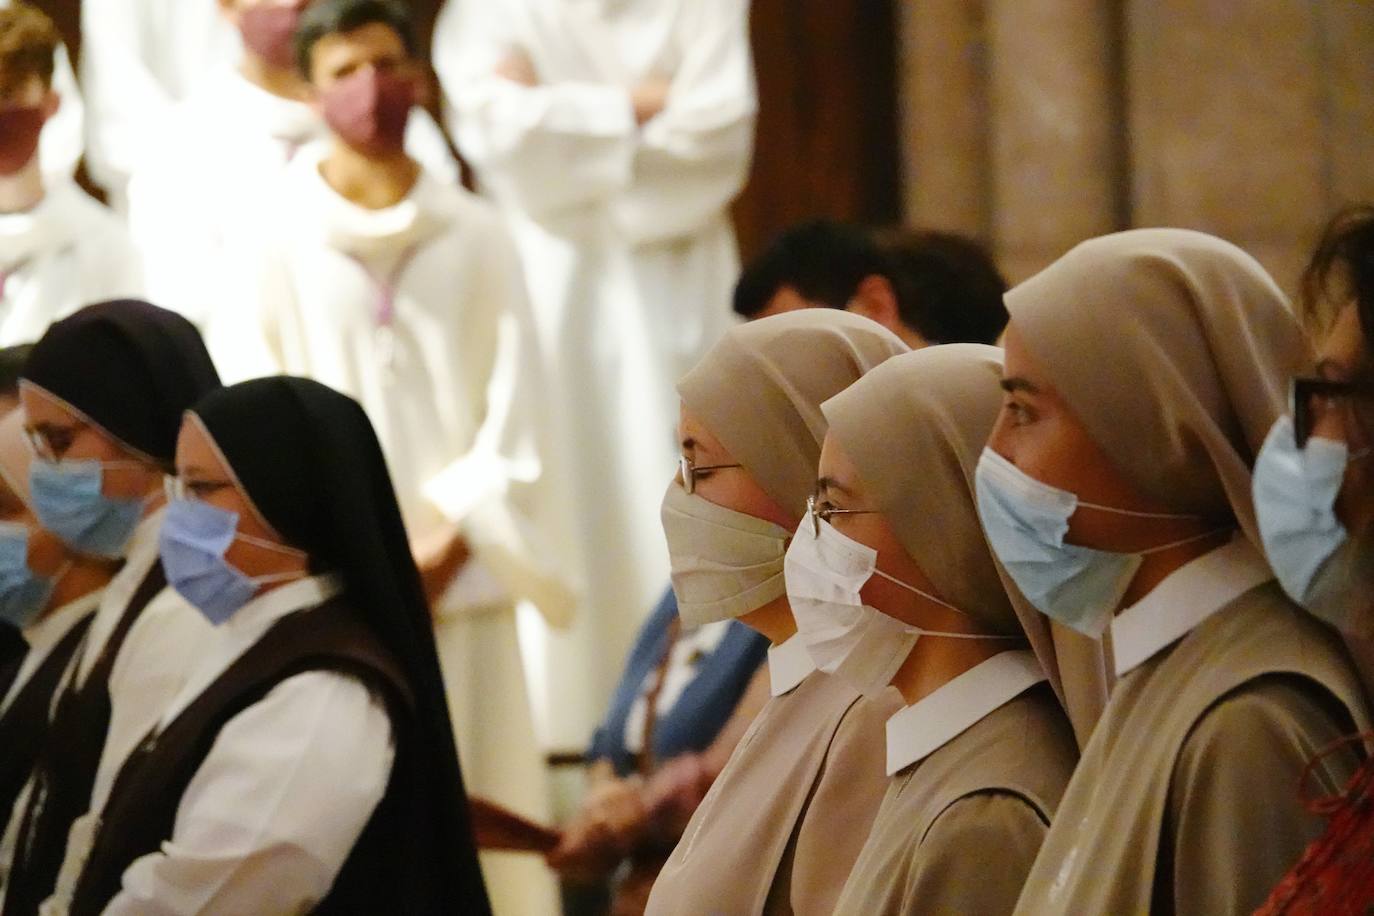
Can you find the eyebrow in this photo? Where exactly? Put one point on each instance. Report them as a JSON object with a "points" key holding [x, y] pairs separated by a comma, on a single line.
{"points": [[192, 470], [1017, 383], [830, 483]]}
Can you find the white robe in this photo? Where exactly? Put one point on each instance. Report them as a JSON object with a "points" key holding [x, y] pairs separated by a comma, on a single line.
{"points": [[65, 253], [197, 205], [138, 59], [451, 388], [626, 237]]}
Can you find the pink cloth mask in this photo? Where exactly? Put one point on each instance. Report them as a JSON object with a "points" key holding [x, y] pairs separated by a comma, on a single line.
{"points": [[369, 110], [268, 32], [19, 132]]}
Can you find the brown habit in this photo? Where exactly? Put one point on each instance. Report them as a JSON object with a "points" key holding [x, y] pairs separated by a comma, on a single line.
{"points": [[784, 822]]}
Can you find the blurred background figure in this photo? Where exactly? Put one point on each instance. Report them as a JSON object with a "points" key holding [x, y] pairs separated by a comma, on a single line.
{"points": [[405, 291], [240, 126], [139, 58], [63, 139], [613, 136], [59, 249]]}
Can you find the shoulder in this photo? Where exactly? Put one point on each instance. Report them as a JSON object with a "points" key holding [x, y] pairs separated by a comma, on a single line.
{"points": [[987, 819]]}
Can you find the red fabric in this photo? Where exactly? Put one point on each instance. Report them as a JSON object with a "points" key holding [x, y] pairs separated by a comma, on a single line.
{"points": [[1335, 876]]}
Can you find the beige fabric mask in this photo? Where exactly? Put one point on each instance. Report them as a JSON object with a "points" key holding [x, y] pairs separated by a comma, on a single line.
{"points": [[724, 563]]}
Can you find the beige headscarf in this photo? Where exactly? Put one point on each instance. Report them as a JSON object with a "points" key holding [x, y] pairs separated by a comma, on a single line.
{"points": [[914, 428], [1174, 348], [15, 455], [760, 388]]}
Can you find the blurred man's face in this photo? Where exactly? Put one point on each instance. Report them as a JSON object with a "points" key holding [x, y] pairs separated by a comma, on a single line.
{"points": [[375, 45], [29, 92]]}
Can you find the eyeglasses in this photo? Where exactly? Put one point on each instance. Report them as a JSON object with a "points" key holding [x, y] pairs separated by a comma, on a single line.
{"points": [[1312, 398], [690, 471], [819, 513], [50, 441]]}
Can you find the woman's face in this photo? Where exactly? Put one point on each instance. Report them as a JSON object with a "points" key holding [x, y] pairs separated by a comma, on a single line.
{"points": [[839, 486], [1039, 433], [207, 477], [62, 435], [1344, 357], [731, 487]]}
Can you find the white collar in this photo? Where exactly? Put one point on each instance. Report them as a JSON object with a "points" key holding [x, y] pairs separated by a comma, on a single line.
{"points": [[144, 543], [920, 730], [788, 665], [1190, 594], [44, 635], [55, 222], [250, 624], [361, 232]]}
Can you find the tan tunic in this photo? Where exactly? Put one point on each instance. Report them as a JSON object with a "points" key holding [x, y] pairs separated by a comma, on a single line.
{"points": [[1186, 800], [785, 820], [994, 787]]}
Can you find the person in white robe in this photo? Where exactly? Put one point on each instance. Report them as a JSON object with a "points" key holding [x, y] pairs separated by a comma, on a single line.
{"points": [[59, 248], [613, 135], [405, 292], [138, 59], [198, 201]]}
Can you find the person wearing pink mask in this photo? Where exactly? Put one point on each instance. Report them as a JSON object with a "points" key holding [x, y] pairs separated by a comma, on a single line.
{"points": [[59, 249], [196, 202], [405, 292]]}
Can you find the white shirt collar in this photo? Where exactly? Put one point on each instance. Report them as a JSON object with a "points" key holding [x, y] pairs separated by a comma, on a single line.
{"points": [[44, 635], [139, 560], [237, 635], [922, 729], [788, 665], [1190, 595]]}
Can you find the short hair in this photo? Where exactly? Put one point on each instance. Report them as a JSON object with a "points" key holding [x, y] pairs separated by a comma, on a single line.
{"points": [[12, 360], [28, 45], [1341, 270], [823, 260], [333, 17], [948, 287]]}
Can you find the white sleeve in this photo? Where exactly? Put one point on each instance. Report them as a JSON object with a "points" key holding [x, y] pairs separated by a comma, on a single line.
{"points": [[63, 138], [125, 101], [273, 812], [500, 491], [546, 147], [426, 145], [244, 337], [693, 158]]}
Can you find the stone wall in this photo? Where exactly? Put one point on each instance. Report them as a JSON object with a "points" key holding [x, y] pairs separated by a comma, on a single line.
{"points": [[1035, 124]]}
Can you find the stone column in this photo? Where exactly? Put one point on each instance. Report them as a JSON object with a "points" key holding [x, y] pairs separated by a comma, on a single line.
{"points": [[1055, 116]]}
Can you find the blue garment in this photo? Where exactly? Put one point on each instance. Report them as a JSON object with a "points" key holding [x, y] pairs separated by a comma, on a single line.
{"points": [[705, 705]]}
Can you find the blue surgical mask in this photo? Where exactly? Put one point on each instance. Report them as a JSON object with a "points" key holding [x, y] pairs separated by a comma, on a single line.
{"points": [[194, 538], [68, 501], [1310, 551], [1026, 522], [23, 593]]}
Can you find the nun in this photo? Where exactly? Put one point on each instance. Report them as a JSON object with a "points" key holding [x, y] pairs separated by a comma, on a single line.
{"points": [[308, 763], [893, 585], [48, 594], [1143, 371], [783, 823], [103, 393]]}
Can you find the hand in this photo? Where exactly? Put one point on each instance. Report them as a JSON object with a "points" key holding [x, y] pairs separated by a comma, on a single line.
{"points": [[585, 853], [650, 98], [518, 68], [440, 557], [674, 793]]}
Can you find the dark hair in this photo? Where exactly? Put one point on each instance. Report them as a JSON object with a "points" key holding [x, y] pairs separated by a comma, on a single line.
{"points": [[948, 287], [823, 260], [28, 45], [1342, 269], [332, 17], [12, 360]]}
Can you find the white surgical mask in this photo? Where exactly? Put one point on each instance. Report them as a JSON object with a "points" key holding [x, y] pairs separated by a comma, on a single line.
{"points": [[1313, 556], [858, 644], [725, 564], [1026, 522]]}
